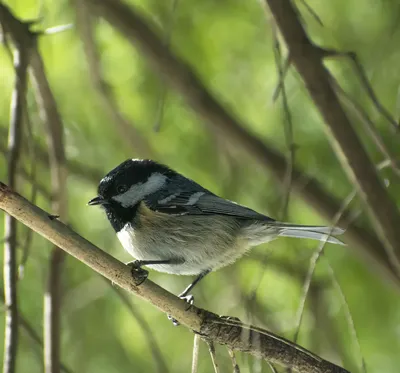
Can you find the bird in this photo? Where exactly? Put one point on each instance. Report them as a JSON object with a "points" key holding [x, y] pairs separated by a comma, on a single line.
{"points": [[172, 224]]}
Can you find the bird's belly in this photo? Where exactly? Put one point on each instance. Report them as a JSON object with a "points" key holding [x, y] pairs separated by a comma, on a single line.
{"points": [[198, 247]]}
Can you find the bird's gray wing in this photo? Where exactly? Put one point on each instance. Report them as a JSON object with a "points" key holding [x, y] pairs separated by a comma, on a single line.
{"points": [[192, 199]]}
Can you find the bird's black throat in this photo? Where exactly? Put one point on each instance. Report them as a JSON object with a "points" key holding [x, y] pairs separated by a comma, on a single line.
{"points": [[119, 216]]}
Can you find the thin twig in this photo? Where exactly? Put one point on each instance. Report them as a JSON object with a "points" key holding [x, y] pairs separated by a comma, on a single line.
{"points": [[21, 61], [126, 129], [210, 326], [195, 355], [211, 349], [235, 365], [370, 91], [313, 262], [273, 369], [29, 234], [312, 12], [349, 318], [368, 125], [288, 126], [278, 88]]}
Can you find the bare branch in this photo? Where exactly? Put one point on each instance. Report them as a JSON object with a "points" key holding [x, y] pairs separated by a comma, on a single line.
{"points": [[235, 365], [211, 349], [312, 12], [259, 343], [308, 60], [349, 317], [195, 355], [285, 69], [313, 263], [273, 369], [368, 125], [129, 22], [28, 237], [371, 93]]}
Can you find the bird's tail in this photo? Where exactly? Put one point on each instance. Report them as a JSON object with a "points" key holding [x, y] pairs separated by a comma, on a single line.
{"points": [[311, 232]]}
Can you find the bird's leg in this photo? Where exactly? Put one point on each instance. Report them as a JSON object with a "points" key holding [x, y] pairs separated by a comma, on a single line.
{"points": [[189, 298], [139, 274], [185, 294]]}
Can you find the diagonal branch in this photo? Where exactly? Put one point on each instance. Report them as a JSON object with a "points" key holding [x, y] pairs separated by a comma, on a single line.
{"points": [[308, 60], [225, 331], [179, 75]]}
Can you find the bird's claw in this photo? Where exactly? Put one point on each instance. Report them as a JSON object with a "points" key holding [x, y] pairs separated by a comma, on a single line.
{"points": [[139, 275], [189, 299]]}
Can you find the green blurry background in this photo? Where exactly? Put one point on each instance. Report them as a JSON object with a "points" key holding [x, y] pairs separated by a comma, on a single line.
{"points": [[230, 45]]}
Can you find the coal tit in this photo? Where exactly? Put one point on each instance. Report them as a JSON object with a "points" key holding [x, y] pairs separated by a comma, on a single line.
{"points": [[174, 225]]}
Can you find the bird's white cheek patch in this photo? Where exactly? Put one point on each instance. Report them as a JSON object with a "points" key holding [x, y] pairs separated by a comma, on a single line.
{"points": [[139, 191]]}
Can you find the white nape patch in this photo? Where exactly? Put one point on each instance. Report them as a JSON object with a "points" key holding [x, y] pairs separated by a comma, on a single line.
{"points": [[140, 190], [167, 199], [194, 198]]}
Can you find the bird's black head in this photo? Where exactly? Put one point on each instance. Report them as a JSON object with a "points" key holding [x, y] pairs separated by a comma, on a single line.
{"points": [[124, 187]]}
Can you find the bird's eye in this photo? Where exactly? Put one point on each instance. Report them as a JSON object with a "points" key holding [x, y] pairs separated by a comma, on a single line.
{"points": [[122, 189]]}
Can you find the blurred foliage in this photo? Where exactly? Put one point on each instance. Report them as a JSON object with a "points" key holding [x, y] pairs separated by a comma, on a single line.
{"points": [[229, 44]]}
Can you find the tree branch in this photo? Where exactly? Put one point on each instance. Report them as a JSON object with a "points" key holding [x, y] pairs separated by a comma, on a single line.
{"points": [[308, 60], [259, 343], [179, 75]]}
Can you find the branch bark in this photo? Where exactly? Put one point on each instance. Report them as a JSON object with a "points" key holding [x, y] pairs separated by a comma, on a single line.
{"points": [[178, 74], [221, 330], [308, 60]]}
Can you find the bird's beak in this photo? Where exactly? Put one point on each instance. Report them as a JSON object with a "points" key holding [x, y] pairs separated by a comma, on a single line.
{"points": [[97, 201]]}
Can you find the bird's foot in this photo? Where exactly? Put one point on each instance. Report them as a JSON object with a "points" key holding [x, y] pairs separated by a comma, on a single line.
{"points": [[189, 299], [139, 275]]}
